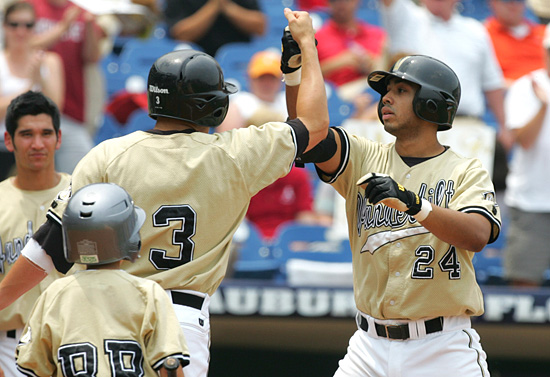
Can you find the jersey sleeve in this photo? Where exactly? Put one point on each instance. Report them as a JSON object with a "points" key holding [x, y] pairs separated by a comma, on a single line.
{"points": [[475, 194], [263, 154], [33, 356]]}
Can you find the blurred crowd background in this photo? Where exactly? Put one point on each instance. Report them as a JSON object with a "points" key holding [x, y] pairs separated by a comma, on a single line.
{"points": [[92, 58]]}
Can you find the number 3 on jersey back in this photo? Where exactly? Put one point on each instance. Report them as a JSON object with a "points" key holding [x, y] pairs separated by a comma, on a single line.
{"points": [[180, 237]]}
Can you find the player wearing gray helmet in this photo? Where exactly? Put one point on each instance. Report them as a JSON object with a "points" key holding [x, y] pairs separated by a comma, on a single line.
{"points": [[101, 321]]}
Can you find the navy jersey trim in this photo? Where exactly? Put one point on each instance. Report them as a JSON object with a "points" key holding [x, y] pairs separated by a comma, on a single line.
{"points": [[170, 132], [344, 157], [496, 225], [300, 134]]}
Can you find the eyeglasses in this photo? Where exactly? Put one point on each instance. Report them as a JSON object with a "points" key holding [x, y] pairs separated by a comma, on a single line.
{"points": [[14, 25]]}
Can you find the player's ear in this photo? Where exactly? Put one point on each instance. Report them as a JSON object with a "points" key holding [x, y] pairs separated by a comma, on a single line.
{"points": [[58, 144], [8, 142]]}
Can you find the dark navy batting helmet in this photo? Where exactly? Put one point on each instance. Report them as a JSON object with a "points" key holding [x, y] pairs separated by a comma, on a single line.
{"points": [[439, 94], [101, 225], [188, 85]]}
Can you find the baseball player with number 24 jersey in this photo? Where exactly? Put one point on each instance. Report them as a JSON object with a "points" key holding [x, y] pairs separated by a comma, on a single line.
{"points": [[417, 213]]}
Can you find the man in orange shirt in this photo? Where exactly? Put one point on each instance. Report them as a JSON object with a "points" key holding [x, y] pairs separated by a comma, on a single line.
{"points": [[516, 39]]}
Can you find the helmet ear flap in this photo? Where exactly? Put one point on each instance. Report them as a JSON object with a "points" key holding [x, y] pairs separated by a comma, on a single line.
{"points": [[188, 85], [431, 106]]}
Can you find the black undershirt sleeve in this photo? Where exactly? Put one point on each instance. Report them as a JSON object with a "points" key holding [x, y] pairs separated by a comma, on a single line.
{"points": [[50, 238], [302, 135]]}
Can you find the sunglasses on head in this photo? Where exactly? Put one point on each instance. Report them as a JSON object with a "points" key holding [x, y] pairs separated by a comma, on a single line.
{"points": [[28, 25]]}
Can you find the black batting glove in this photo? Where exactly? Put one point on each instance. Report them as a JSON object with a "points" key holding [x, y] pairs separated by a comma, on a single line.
{"points": [[382, 188], [291, 57]]}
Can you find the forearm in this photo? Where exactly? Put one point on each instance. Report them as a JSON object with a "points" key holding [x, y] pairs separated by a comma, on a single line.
{"points": [[528, 134], [92, 40], [249, 21], [495, 102], [470, 231], [48, 38], [53, 85], [195, 26], [22, 276], [311, 104], [291, 98]]}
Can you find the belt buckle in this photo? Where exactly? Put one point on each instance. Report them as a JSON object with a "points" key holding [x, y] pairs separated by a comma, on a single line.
{"points": [[396, 332]]}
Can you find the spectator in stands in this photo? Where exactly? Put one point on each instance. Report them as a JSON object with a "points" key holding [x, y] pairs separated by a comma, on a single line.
{"points": [[527, 252], [541, 8], [266, 92], [312, 5], [288, 199], [73, 33], [435, 28], [22, 68], [517, 40], [349, 48], [213, 23]]}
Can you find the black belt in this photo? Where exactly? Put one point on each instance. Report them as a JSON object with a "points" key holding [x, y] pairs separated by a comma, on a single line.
{"points": [[401, 331], [187, 299], [10, 334]]}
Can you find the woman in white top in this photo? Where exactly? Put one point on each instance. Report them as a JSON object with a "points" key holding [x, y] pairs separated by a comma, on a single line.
{"points": [[23, 68]]}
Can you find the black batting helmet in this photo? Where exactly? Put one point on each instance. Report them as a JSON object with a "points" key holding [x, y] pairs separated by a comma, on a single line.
{"points": [[188, 85], [439, 94]]}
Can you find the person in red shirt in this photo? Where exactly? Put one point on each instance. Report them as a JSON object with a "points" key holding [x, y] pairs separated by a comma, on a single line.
{"points": [[289, 198], [516, 39], [349, 48], [71, 32]]}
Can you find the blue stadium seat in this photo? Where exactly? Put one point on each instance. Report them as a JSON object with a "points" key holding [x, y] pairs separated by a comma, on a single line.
{"points": [[339, 110], [138, 55], [254, 257], [108, 129], [115, 80], [139, 121], [308, 242], [488, 262]]}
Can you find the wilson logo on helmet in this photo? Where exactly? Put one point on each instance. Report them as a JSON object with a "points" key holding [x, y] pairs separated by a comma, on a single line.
{"points": [[156, 89]]}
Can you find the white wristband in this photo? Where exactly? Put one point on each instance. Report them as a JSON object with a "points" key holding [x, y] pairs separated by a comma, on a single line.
{"points": [[34, 252], [293, 78], [424, 211]]}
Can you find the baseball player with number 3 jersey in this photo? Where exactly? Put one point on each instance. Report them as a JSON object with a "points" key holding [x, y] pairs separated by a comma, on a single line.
{"points": [[194, 186], [417, 213]]}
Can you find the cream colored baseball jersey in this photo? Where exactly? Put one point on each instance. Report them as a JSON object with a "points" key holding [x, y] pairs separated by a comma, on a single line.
{"points": [[195, 188], [402, 271], [21, 215], [101, 323]]}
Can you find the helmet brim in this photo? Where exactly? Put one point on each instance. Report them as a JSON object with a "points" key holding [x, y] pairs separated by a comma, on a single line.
{"points": [[140, 216], [230, 88]]}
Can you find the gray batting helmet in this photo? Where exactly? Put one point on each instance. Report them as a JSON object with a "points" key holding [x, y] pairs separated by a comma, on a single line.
{"points": [[437, 99], [101, 225]]}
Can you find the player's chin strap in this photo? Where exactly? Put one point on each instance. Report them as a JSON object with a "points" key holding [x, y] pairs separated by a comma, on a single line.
{"points": [[321, 152]]}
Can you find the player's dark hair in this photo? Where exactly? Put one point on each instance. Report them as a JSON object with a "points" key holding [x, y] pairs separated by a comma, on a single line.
{"points": [[30, 103]]}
